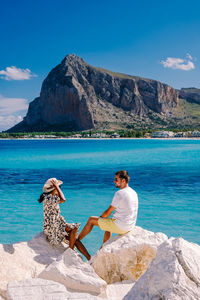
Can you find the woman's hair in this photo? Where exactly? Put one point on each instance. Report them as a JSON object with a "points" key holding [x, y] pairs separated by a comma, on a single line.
{"points": [[42, 196]]}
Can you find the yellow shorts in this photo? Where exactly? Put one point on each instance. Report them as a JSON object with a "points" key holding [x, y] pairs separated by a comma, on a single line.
{"points": [[107, 224]]}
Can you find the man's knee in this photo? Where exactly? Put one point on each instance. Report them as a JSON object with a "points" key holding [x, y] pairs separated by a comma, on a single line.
{"points": [[93, 220], [108, 232]]}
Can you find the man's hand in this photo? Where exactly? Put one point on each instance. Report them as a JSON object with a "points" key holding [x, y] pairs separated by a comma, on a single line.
{"points": [[108, 212]]}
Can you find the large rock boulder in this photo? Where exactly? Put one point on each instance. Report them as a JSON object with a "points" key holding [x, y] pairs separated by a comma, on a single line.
{"points": [[71, 271], [173, 275], [32, 289], [26, 259], [140, 265], [127, 257], [78, 96], [118, 290], [40, 289]]}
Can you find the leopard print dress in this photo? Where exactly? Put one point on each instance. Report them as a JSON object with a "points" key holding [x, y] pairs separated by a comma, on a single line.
{"points": [[54, 224]]}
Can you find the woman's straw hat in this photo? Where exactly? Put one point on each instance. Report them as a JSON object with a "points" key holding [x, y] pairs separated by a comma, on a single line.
{"points": [[49, 187]]}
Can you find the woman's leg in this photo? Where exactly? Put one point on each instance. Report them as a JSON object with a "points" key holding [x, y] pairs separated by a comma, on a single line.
{"points": [[79, 245], [73, 241], [72, 236]]}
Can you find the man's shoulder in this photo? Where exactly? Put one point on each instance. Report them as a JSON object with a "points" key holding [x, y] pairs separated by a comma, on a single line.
{"points": [[128, 189], [128, 193], [117, 194], [132, 190]]}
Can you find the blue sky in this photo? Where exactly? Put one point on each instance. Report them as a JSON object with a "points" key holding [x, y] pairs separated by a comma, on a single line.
{"points": [[152, 39]]}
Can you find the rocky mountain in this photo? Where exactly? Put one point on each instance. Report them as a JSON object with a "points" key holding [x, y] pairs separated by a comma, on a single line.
{"points": [[190, 94], [77, 96]]}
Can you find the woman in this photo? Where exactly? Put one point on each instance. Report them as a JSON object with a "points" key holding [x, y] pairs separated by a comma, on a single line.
{"points": [[55, 227]]}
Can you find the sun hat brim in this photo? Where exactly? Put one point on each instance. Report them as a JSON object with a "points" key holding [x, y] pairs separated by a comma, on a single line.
{"points": [[48, 187]]}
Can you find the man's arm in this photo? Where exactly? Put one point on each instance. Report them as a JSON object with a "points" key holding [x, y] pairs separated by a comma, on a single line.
{"points": [[108, 212]]}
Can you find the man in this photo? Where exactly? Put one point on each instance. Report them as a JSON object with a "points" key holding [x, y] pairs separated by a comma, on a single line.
{"points": [[125, 204]]}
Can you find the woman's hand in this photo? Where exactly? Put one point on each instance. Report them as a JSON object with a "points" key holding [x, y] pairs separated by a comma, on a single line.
{"points": [[61, 195], [54, 183]]}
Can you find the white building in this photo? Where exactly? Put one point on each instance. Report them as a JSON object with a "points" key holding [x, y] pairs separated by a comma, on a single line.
{"points": [[196, 134], [162, 134]]}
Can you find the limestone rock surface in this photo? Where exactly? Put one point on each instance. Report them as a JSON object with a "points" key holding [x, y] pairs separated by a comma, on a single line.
{"points": [[127, 257], [78, 96], [140, 265], [173, 275], [118, 290], [71, 271], [40, 289], [32, 289], [25, 259]]}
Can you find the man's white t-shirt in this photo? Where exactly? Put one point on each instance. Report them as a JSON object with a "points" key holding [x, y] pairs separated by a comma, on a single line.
{"points": [[125, 202]]}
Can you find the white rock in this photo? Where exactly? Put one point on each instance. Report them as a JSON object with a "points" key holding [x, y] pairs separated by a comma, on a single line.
{"points": [[25, 259], [188, 255], [173, 275], [71, 271], [127, 257], [118, 290], [40, 289], [32, 289]]}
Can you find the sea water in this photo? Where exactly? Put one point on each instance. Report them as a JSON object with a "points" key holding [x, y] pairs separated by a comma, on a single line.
{"points": [[164, 173]]}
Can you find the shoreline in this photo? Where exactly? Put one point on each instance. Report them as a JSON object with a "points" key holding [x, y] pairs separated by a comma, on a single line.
{"points": [[102, 139]]}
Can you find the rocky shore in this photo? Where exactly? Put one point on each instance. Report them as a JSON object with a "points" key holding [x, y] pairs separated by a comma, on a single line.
{"points": [[138, 265]]}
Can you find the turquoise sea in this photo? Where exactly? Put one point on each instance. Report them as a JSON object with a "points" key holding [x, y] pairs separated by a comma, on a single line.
{"points": [[164, 173]]}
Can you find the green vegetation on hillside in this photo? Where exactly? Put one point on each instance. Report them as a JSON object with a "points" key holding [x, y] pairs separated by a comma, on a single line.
{"points": [[186, 117], [187, 113], [119, 75]]}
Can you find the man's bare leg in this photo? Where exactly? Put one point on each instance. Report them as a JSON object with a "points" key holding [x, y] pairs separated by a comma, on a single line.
{"points": [[88, 227], [107, 235]]}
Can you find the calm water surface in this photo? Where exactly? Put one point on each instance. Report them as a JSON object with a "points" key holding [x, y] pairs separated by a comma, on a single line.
{"points": [[165, 174]]}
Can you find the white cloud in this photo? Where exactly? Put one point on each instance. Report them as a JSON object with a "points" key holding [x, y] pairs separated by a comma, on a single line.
{"points": [[9, 121], [12, 111], [179, 63], [13, 73], [12, 105]]}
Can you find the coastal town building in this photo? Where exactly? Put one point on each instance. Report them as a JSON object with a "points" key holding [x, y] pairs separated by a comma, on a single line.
{"points": [[162, 134], [115, 135], [179, 134], [196, 134]]}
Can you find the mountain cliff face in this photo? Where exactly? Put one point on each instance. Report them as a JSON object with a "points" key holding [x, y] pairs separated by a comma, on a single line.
{"points": [[77, 96], [190, 94]]}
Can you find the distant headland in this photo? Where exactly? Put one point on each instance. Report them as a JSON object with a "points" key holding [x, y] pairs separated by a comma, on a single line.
{"points": [[76, 96]]}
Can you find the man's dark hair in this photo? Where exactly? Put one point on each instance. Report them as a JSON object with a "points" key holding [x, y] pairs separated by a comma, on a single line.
{"points": [[123, 175]]}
